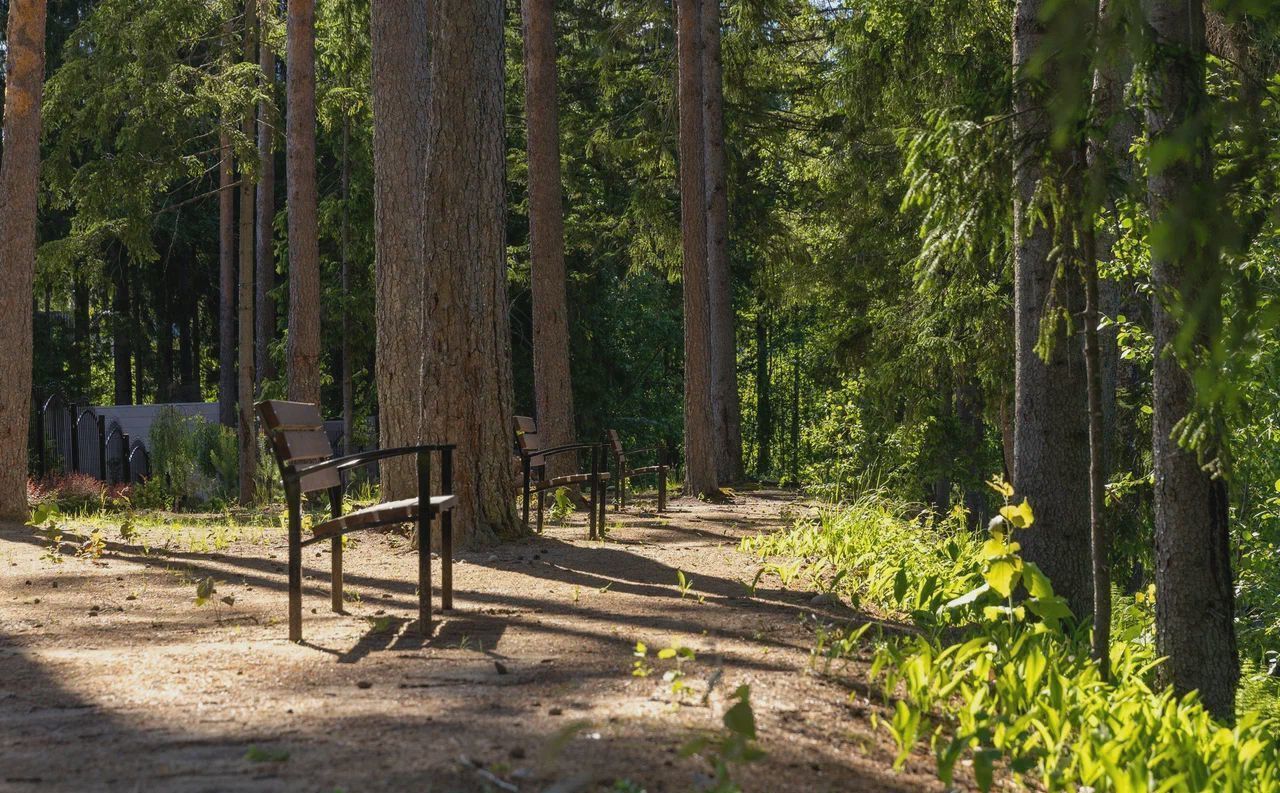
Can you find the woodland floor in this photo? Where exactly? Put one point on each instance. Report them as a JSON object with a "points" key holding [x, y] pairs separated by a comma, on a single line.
{"points": [[111, 678]]}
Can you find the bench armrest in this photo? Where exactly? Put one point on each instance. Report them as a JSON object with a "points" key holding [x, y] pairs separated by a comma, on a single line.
{"points": [[557, 450], [363, 458]]}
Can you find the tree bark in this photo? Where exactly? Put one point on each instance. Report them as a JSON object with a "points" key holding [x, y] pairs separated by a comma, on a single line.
{"points": [[348, 395], [764, 402], [265, 272], [725, 406], [1195, 602], [466, 384], [699, 441], [1051, 434], [303, 369], [19, 191], [121, 328], [398, 30], [226, 282], [246, 432], [552, 384]]}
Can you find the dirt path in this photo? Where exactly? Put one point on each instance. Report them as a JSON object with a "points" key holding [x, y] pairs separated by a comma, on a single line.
{"points": [[111, 678]]}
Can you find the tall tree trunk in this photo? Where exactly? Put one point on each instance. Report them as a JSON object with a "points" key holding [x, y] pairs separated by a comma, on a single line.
{"points": [[348, 396], [265, 272], [795, 414], [969, 410], [399, 34], [699, 433], [466, 386], [246, 433], [1195, 603], [226, 282], [725, 406], [1051, 434], [1111, 163], [764, 403], [19, 191], [303, 359], [80, 361], [552, 386], [121, 328]]}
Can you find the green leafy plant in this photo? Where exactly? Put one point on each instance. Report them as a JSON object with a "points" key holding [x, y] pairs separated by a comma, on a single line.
{"points": [[733, 747]]}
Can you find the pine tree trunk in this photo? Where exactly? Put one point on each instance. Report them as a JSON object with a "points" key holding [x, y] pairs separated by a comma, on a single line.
{"points": [[552, 386], [226, 283], [466, 386], [247, 426], [699, 440], [1195, 603], [303, 359], [764, 402], [725, 406], [265, 272], [400, 92], [1051, 433], [1110, 161], [19, 191], [348, 396], [121, 328], [80, 346]]}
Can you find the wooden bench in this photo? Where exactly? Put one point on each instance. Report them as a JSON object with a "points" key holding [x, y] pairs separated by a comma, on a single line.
{"points": [[622, 462], [532, 477], [307, 465]]}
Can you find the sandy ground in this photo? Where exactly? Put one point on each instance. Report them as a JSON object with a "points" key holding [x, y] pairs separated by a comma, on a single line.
{"points": [[112, 678]]}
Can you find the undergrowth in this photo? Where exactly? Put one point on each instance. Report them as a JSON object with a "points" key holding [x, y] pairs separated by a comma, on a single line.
{"points": [[997, 681]]}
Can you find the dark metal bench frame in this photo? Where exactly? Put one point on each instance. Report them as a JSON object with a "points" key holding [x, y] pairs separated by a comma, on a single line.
{"points": [[625, 473], [524, 426], [309, 471]]}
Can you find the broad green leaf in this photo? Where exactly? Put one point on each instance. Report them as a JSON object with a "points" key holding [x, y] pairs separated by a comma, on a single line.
{"points": [[1001, 573], [1036, 582]]}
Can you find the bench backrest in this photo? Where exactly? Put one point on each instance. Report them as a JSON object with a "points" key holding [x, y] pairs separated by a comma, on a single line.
{"points": [[297, 437], [527, 439], [615, 443]]}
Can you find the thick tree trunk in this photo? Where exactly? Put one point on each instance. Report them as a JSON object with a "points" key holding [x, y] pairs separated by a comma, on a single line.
{"points": [[303, 359], [764, 402], [466, 385], [226, 283], [1195, 603], [1051, 434], [552, 386], [400, 90], [246, 431], [699, 434], [725, 406], [265, 272], [19, 190]]}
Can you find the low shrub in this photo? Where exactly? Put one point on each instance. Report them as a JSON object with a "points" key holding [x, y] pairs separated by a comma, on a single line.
{"points": [[997, 681], [76, 492]]}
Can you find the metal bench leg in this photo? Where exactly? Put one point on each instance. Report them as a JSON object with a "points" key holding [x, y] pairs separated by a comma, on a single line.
{"points": [[424, 544], [446, 561], [446, 533], [295, 565], [336, 554]]}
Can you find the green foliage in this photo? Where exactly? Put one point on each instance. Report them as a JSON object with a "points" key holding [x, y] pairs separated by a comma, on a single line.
{"points": [[734, 747], [995, 680]]}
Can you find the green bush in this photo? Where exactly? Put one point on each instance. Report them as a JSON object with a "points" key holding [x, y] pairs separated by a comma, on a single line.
{"points": [[193, 461], [996, 679]]}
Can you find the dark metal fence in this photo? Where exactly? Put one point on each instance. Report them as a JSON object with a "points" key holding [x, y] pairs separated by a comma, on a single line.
{"points": [[72, 438]]}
